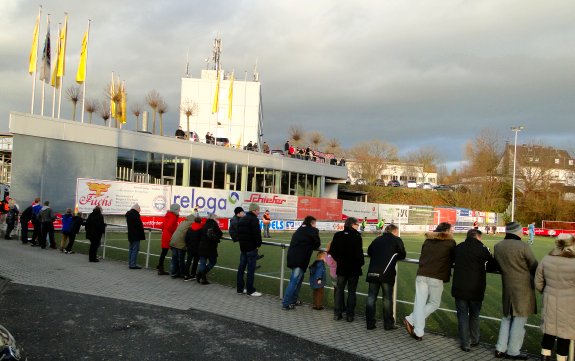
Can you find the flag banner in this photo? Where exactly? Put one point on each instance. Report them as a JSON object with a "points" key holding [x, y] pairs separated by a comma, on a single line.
{"points": [[34, 49], [215, 106], [231, 97], [112, 102], [46, 58], [123, 103], [55, 82], [81, 74], [62, 52]]}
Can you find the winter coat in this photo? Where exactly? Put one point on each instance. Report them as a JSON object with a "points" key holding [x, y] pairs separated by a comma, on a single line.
{"points": [[347, 250], [36, 209], [436, 256], [233, 230], [95, 226], [555, 277], [211, 234], [77, 223], [249, 234], [26, 215], [193, 236], [168, 228], [317, 275], [66, 223], [135, 226], [12, 216], [472, 260], [304, 240], [384, 252], [517, 265], [178, 239], [46, 215]]}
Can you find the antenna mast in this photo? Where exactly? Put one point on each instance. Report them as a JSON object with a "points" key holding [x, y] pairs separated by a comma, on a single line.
{"points": [[256, 74], [188, 64], [216, 53]]}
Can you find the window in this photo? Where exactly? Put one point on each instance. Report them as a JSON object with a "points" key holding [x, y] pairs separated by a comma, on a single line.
{"points": [[531, 159], [251, 179], [537, 159], [231, 177], [141, 167], [124, 165], [169, 170], [219, 175], [570, 161], [195, 173], [155, 168], [208, 174], [556, 160]]}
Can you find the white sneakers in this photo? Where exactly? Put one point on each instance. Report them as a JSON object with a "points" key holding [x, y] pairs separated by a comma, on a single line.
{"points": [[255, 294]]}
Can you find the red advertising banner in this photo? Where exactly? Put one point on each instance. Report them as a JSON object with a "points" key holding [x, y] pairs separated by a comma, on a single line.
{"points": [[321, 208], [549, 232], [444, 215]]}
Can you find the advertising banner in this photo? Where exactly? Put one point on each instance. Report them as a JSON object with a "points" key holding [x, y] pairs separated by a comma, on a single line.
{"points": [[321, 208], [393, 213], [157, 221], [118, 197], [206, 200], [448, 215], [281, 206], [360, 210]]}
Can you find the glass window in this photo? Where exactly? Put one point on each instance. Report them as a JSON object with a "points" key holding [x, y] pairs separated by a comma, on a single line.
{"points": [[284, 183], [141, 167], [570, 161], [260, 180], [556, 161], [293, 182], [195, 172], [251, 179], [301, 181], [231, 174], [155, 168], [169, 170], [269, 177], [208, 174], [219, 175], [124, 165]]}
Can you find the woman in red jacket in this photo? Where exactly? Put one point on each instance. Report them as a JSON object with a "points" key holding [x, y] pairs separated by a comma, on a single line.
{"points": [[168, 228]]}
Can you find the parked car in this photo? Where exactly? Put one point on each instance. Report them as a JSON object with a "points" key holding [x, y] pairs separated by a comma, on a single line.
{"points": [[278, 153], [425, 186], [393, 183], [361, 181], [380, 183], [442, 187], [411, 184], [224, 142]]}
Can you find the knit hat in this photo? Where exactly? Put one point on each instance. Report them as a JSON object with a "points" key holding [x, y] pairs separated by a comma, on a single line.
{"points": [[514, 228], [175, 208], [254, 207], [238, 210]]}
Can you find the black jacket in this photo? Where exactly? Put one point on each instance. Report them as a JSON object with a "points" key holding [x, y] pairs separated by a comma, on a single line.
{"points": [[208, 246], [472, 260], [77, 223], [95, 226], [26, 215], [384, 252], [249, 233], [135, 226], [193, 237], [233, 230], [436, 256], [303, 242], [347, 251]]}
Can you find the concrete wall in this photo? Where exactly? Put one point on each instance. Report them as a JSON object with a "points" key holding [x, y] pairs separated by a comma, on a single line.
{"points": [[48, 168]]}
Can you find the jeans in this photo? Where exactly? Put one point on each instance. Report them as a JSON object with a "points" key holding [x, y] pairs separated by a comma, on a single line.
{"points": [[71, 240], [293, 287], [162, 258], [562, 345], [37, 231], [511, 333], [133, 253], [178, 265], [192, 261], [247, 259], [427, 299], [9, 229], [93, 251], [468, 321], [24, 232], [207, 263], [267, 230], [47, 232], [387, 290], [339, 303], [531, 237]]}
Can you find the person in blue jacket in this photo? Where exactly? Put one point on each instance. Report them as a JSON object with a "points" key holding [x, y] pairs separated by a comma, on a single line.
{"points": [[66, 227]]}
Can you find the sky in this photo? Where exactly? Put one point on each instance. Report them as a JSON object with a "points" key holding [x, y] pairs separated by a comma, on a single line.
{"points": [[410, 72]]}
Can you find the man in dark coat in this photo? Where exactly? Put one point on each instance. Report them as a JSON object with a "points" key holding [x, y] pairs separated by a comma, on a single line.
{"points": [[135, 235], [384, 252], [518, 266], [25, 217], [347, 251], [250, 239], [434, 269], [208, 248], [303, 242], [95, 228], [233, 230], [472, 261]]}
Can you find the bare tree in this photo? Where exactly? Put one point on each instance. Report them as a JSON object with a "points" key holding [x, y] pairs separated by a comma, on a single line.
{"points": [[316, 138], [369, 159], [137, 110], [483, 154], [90, 107], [73, 94], [188, 108], [424, 159], [153, 99], [333, 146], [162, 109], [296, 134], [104, 110]]}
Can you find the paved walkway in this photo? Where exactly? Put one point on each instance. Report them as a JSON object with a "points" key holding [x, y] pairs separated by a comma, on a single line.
{"points": [[49, 268]]}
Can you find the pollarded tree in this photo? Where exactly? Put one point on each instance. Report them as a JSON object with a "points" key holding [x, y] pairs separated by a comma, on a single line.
{"points": [[104, 111], [316, 138], [73, 94], [153, 99], [188, 108], [137, 110], [162, 109], [296, 134], [90, 107]]}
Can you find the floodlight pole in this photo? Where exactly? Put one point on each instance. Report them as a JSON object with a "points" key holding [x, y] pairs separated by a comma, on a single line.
{"points": [[516, 130]]}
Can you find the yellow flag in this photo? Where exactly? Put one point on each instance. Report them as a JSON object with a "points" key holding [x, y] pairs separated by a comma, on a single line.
{"points": [[124, 103], [55, 82], [81, 74], [62, 52], [215, 106], [34, 49], [231, 97], [112, 102]]}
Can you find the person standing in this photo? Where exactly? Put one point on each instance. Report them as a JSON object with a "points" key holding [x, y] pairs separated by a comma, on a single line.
{"points": [[77, 223], [208, 248], [47, 218], [37, 232], [475, 224], [555, 278], [168, 228], [193, 237], [66, 226], [178, 246], [303, 242], [25, 217], [363, 225], [233, 230], [531, 229], [317, 278], [384, 252], [266, 148], [250, 239], [286, 146], [135, 235], [267, 220], [517, 265], [472, 260], [11, 218], [95, 228], [434, 269], [347, 251]]}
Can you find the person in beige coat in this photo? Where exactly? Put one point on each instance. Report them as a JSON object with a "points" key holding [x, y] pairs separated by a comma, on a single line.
{"points": [[555, 278], [518, 265], [178, 246]]}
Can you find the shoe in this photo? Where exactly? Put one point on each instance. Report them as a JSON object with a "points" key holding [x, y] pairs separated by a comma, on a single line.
{"points": [[417, 338], [288, 307], [260, 256], [390, 328], [499, 354], [474, 344], [545, 358], [136, 267], [70, 252], [34, 245], [517, 357], [61, 250], [298, 303], [204, 282], [337, 317], [199, 277], [186, 278], [349, 318], [255, 294], [371, 327], [465, 349], [162, 273], [408, 327], [318, 308], [243, 292], [94, 260]]}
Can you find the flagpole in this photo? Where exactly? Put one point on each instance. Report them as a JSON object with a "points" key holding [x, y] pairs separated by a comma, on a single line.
{"points": [[243, 138], [55, 74], [63, 49], [86, 74], [36, 67]]}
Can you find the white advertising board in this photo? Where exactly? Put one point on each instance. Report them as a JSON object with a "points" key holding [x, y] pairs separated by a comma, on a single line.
{"points": [[360, 210], [207, 200], [394, 213], [118, 197]]}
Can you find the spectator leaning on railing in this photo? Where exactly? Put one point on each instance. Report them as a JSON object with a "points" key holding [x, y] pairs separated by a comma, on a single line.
{"points": [[169, 226], [135, 235], [250, 239]]}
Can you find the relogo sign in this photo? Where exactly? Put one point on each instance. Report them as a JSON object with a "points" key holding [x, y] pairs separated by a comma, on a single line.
{"points": [[220, 202]]}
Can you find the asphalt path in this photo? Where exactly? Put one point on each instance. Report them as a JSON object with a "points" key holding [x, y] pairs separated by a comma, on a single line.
{"points": [[56, 325]]}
